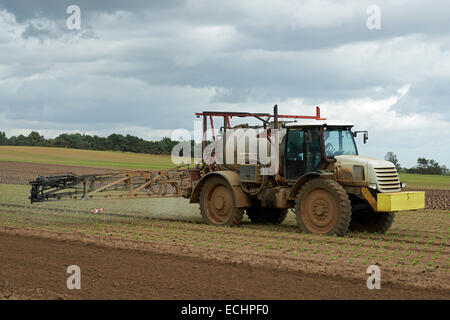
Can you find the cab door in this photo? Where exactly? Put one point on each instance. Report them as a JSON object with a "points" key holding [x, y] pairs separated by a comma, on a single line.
{"points": [[303, 152], [313, 152], [295, 163]]}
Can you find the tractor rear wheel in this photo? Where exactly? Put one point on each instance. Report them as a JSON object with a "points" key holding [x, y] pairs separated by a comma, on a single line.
{"points": [[266, 215], [323, 207], [217, 203], [367, 220]]}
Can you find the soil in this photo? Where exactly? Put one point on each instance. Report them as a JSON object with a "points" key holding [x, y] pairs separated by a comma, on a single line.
{"points": [[23, 172], [33, 260], [436, 199], [35, 268]]}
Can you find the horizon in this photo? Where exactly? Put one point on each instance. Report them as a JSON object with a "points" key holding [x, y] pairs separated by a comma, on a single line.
{"points": [[158, 140]]}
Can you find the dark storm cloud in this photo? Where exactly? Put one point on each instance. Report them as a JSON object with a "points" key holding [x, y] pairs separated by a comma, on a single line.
{"points": [[56, 9]]}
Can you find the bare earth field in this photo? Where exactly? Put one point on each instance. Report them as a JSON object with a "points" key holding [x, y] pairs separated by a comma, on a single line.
{"points": [[34, 267], [23, 172], [159, 249], [435, 199]]}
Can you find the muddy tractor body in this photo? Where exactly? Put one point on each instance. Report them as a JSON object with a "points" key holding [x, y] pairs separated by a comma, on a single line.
{"points": [[320, 177]]}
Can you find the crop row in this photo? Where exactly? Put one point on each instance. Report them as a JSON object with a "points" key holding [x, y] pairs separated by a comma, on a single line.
{"points": [[410, 243]]}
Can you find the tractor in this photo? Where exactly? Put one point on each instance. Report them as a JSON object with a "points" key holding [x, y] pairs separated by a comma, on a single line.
{"points": [[321, 177]]}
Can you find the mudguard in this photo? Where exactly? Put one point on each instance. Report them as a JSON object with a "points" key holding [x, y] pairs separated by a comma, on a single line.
{"points": [[304, 178], [241, 198]]}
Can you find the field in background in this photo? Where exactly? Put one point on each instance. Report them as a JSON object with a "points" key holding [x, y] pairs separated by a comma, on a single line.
{"points": [[426, 181], [128, 160], [88, 158]]}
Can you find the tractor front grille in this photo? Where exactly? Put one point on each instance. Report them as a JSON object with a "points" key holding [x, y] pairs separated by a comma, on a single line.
{"points": [[387, 179]]}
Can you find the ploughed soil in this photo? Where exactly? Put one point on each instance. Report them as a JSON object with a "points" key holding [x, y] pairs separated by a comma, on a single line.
{"points": [[35, 254], [34, 267], [435, 199], [23, 172]]}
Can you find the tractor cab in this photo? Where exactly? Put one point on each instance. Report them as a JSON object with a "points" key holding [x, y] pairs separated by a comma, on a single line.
{"points": [[308, 145]]}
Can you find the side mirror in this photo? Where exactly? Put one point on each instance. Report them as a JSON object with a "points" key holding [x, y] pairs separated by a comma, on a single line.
{"points": [[365, 137]]}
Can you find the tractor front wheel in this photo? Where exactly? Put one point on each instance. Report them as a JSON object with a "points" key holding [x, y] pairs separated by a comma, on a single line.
{"points": [[323, 207], [367, 220], [217, 203]]}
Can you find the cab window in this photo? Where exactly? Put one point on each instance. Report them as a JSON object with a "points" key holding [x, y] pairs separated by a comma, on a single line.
{"points": [[295, 157]]}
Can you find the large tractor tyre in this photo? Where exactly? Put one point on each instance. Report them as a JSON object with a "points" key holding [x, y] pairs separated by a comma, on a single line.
{"points": [[323, 207], [217, 203], [266, 215], [367, 220]]}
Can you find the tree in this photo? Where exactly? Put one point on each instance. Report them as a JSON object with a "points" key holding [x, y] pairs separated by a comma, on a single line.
{"points": [[21, 140], [392, 157], [427, 166], [434, 167], [3, 139], [35, 139], [115, 142], [422, 163]]}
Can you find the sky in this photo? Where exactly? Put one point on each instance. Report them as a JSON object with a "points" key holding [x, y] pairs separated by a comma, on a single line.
{"points": [[145, 67]]}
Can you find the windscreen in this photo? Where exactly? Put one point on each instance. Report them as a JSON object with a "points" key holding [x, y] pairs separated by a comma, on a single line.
{"points": [[339, 142]]}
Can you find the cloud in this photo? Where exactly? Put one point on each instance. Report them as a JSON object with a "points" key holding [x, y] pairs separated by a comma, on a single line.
{"points": [[145, 67]]}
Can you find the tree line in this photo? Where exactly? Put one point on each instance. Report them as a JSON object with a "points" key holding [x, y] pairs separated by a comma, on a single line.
{"points": [[423, 165], [114, 142]]}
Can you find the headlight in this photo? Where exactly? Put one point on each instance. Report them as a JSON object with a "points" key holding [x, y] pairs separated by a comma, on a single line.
{"points": [[358, 173], [373, 186], [403, 185]]}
